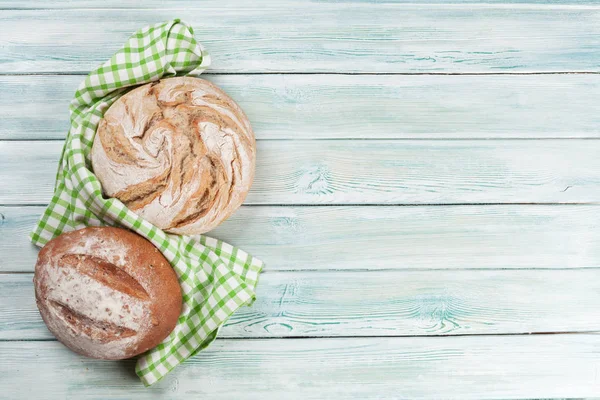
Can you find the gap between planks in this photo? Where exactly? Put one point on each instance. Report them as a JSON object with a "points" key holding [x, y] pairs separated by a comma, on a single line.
{"points": [[85, 73], [507, 5], [393, 269], [375, 139], [582, 332], [549, 204]]}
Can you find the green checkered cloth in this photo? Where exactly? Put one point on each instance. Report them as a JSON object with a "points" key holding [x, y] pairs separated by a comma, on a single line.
{"points": [[216, 278]]}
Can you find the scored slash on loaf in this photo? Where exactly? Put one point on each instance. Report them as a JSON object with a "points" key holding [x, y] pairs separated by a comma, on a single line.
{"points": [[106, 292], [178, 152]]}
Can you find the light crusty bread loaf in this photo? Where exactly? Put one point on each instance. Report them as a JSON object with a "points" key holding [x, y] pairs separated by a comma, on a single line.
{"points": [[106, 292], [178, 152]]}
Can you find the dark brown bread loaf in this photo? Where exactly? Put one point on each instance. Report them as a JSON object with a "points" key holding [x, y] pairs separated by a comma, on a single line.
{"points": [[106, 292]]}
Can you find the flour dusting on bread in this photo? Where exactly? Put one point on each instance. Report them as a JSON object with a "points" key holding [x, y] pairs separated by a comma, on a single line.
{"points": [[179, 152], [106, 292]]}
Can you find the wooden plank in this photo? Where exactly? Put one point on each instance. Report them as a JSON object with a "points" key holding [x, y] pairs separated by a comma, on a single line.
{"points": [[187, 4], [17, 253], [321, 37], [358, 238], [38, 107], [379, 303], [490, 367], [351, 106], [371, 172]]}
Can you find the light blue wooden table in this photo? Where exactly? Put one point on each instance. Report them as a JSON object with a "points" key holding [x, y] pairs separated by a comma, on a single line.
{"points": [[426, 197]]}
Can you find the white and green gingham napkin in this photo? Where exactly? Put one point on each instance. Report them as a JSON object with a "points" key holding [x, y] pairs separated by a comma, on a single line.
{"points": [[215, 278]]}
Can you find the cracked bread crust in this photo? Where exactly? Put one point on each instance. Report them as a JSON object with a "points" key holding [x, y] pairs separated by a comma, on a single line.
{"points": [[106, 293], [178, 152]]}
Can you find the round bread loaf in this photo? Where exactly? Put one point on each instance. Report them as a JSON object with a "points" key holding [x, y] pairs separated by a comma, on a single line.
{"points": [[106, 292], [178, 152]]}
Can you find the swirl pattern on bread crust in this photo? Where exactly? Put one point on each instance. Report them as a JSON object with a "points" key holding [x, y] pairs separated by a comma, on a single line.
{"points": [[178, 152]]}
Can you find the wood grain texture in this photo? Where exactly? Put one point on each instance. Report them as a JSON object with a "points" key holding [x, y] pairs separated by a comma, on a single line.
{"points": [[371, 172], [352, 106], [321, 37], [359, 238], [451, 291], [384, 368], [379, 303]]}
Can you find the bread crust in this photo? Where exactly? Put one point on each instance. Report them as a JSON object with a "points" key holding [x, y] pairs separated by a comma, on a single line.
{"points": [[106, 293], [178, 152]]}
